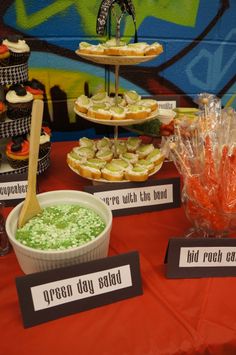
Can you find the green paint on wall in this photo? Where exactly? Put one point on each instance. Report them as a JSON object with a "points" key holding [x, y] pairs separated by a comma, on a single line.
{"points": [[70, 82], [181, 12]]}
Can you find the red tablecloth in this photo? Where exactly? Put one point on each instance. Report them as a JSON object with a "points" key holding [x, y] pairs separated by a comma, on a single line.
{"points": [[188, 316]]}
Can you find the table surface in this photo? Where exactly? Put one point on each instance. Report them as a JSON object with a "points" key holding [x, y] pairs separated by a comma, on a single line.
{"points": [[183, 316]]}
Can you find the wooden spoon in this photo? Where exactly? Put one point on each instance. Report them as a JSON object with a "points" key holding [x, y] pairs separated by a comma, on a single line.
{"points": [[31, 205]]}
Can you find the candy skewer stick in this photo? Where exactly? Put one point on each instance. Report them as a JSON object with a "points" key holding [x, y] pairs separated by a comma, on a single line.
{"points": [[183, 163]]}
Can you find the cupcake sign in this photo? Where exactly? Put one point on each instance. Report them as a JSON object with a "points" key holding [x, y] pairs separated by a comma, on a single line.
{"points": [[13, 188]]}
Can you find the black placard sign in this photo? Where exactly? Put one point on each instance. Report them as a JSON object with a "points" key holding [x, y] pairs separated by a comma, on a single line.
{"points": [[13, 188], [201, 257], [49, 295], [130, 198]]}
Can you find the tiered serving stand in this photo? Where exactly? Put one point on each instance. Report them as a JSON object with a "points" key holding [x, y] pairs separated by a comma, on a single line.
{"points": [[9, 128], [117, 61]]}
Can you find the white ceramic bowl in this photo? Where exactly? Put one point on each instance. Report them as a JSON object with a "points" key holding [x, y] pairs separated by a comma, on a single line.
{"points": [[166, 115], [34, 260]]}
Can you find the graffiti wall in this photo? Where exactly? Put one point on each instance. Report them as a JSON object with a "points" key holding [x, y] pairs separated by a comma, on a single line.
{"points": [[198, 36]]}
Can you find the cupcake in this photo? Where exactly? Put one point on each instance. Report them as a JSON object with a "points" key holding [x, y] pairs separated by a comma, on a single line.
{"points": [[17, 152], [4, 56], [18, 48], [19, 102], [44, 143], [3, 108], [35, 88]]}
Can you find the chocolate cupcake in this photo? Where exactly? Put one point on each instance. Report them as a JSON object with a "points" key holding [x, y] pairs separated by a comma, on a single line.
{"points": [[17, 152], [44, 142], [19, 102], [35, 88], [4, 56], [18, 48], [3, 108]]}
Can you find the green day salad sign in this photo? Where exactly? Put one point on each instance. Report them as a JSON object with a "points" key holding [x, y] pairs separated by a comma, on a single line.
{"points": [[52, 294], [13, 188]]}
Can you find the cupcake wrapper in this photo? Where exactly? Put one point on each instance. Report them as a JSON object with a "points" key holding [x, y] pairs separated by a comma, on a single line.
{"points": [[13, 74], [17, 164], [3, 116], [19, 58], [43, 164], [15, 111], [43, 149], [4, 62], [14, 127]]}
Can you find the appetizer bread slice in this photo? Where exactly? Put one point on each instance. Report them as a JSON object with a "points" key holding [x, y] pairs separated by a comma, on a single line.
{"points": [[113, 172], [153, 49], [105, 154], [137, 173], [90, 171], [86, 142], [131, 97], [150, 103], [136, 112], [131, 158], [117, 113], [103, 143], [100, 112], [144, 149], [147, 164], [82, 103], [74, 160], [121, 163], [84, 152], [133, 143], [155, 156]]}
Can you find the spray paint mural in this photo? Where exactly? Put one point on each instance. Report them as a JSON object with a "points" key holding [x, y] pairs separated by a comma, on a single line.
{"points": [[199, 40]]}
